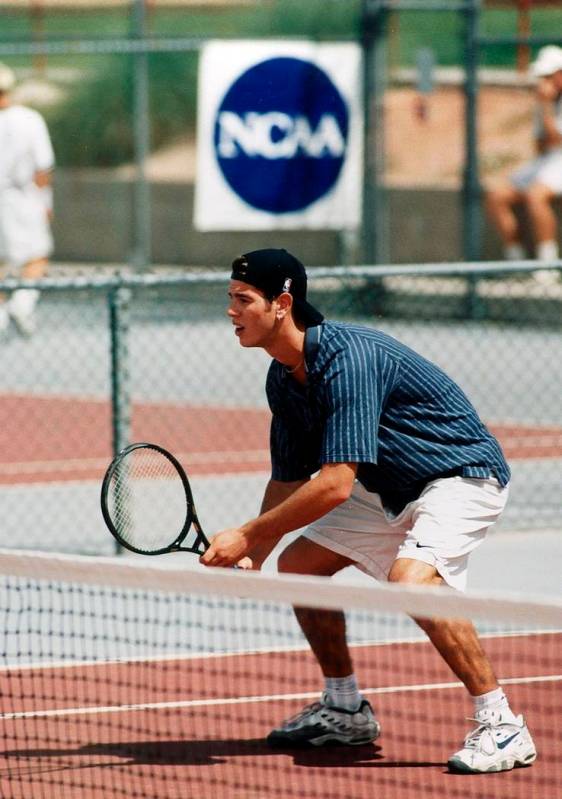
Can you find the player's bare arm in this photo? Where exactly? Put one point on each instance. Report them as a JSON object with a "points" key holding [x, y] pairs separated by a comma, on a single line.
{"points": [[547, 93], [43, 178], [275, 493], [310, 501]]}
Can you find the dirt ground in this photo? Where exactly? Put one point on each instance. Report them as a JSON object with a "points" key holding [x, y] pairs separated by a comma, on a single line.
{"points": [[430, 151], [420, 150]]}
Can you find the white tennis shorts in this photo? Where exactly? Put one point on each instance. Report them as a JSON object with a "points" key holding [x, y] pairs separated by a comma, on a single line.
{"points": [[441, 527], [25, 232], [546, 169]]}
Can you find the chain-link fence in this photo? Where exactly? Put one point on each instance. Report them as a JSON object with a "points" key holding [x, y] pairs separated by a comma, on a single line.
{"points": [[127, 357], [116, 81]]}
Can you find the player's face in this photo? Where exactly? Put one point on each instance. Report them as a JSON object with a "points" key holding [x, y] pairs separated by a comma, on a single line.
{"points": [[252, 315]]}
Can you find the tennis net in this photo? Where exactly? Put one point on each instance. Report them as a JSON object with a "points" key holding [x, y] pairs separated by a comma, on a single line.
{"points": [[126, 679]]}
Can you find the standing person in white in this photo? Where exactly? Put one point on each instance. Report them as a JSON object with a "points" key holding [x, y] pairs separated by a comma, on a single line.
{"points": [[538, 182], [26, 166]]}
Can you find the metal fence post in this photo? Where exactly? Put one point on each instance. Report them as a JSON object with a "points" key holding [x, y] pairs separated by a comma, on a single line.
{"points": [[119, 310], [471, 183], [142, 244], [374, 214], [471, 194]]}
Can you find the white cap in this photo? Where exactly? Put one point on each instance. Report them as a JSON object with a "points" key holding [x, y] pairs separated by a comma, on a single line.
{"points": [[7, 78], [549, 61]]}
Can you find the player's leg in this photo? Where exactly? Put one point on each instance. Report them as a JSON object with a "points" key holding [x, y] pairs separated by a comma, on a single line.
{"points": [[500, 202], [23, 301], [448, 521], [341, 715], [324, 629], [29, 243], [35, 269], [539, 199], [501, 739], [456, 640], [540, 195], [354, 533], [4, 316]]}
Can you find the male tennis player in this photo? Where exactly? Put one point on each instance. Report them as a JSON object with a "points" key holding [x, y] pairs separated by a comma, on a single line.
{"points": [[384, 461], [26, 166]]}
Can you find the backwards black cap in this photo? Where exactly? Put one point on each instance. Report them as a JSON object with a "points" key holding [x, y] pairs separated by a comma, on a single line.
{"points": [[275, 272]]}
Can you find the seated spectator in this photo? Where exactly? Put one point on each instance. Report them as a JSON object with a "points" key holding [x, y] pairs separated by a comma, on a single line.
{"points": [[537, 183]]}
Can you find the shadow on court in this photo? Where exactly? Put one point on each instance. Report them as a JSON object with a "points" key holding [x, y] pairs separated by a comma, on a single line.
{"points": [[218, 751]]}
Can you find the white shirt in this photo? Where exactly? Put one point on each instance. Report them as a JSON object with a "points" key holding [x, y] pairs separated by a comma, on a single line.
{"points": [[539, 130], [25, 146]]}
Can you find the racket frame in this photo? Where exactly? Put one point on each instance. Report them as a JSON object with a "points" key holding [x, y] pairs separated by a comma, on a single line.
{"points": [[201, 543]]}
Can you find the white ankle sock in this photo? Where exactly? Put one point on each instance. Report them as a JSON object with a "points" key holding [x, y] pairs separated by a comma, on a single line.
{"points": [[344, 692], [23, 301], [492, 706], [514, 252], [547, 251], [4, 318]]}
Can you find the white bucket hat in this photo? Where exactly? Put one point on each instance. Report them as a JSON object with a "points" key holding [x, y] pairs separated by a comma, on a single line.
{"points": [[549, 61], [7, 78]]}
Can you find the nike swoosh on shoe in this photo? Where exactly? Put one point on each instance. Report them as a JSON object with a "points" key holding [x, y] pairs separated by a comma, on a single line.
{"points": [[504, 743]]}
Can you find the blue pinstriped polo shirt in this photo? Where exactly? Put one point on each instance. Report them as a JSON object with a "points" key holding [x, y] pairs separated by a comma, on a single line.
{"points": [[373, 401]]}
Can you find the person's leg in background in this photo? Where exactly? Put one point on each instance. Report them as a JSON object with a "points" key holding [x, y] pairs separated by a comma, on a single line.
{"points": [[500, 202], [22, 303], [539, 202], [537, 198], [27, 244]]}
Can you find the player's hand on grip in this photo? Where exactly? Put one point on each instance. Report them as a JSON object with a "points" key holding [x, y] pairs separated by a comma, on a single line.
{"points": [[227, 548]]}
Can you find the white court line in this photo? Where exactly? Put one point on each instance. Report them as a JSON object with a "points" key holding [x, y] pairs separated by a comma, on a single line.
{"points": [[242, 700], [268, 650], [83, 464]]}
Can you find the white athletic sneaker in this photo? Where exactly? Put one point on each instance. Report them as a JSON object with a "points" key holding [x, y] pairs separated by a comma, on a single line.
{"points": [[25, 323], [546, 277], [495, 745], [4, 319], [21, 307], [322, 723]]}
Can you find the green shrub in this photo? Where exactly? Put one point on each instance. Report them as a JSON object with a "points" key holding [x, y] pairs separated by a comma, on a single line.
{"points": [[94, 126]]}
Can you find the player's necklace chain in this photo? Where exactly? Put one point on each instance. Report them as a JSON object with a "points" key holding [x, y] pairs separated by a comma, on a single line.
{"points": [[295, 368]]}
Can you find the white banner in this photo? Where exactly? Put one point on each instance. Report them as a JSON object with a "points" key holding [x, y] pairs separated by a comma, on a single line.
{"points": [[279, 136]]}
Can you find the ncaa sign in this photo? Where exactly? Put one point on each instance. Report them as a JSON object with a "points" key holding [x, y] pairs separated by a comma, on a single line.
{"points": [[283, 149], [279, 136]]}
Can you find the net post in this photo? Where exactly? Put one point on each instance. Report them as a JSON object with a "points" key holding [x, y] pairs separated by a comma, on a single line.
{"points": [[119, 313]]}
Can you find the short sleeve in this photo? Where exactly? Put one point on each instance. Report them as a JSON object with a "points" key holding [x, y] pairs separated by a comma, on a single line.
{"points": [[356, 385]]}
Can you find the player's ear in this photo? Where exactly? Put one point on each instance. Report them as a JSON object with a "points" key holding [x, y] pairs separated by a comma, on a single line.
{"points": [[284, 304]]}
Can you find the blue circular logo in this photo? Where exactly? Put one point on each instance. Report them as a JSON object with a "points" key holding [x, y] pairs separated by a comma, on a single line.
{"points": [[281, 135]]}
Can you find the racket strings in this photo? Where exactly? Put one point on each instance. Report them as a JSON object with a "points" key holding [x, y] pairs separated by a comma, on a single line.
{"points": [[147, 500]]}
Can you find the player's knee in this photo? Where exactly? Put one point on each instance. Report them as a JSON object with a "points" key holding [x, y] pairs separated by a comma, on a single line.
{"points": [[538, 195], [498, 197], [410, 571]]}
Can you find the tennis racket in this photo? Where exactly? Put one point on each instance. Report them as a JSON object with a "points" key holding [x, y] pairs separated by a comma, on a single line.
{"points": [[147, 504]]}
